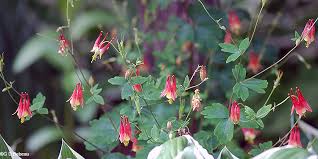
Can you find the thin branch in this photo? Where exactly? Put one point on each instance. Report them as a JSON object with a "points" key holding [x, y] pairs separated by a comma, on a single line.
{"points": [[281, 59], [256, 23], [76, 134], [216, 21], [283, 139], [197, 84]]}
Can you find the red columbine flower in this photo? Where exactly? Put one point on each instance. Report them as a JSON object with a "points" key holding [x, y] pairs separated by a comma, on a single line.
{"points": [[170, 90], [234, 22], [124, 130], [299, 102], [254, 62], [24, 107], [64, 45], [137, 87], [294, 137], [228, 37], [235, 113], [77, 97], [309, 32], [100, 46], [249, 134]]}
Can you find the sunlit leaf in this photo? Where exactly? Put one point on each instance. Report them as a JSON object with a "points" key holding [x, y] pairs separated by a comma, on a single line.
{"points": [[66, 152]]}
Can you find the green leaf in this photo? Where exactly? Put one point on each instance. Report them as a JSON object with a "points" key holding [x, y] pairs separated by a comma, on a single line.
{"points": [[247, 121], [43, 111], [98, 99], [224, 131], [260, 123], [226, 152], [95, 89], [186, 82], [215, 111], [137, 104], [250, 113], [102, 133], [138, 80], [314, 144], [117, 80], [296, 37], [34, 49], [38, 102], [262, 112], [244, 45], [256, 85], [232, 57], [150, 91], [66, 152], [89, 100], [91, 19], [290, 153], [6, 150], [229, 48], [240, 91], [42, 137], [239, 72], [171, 148], [113, 155], [126, 91], [184, 147], [261, 148], [155, 133]]}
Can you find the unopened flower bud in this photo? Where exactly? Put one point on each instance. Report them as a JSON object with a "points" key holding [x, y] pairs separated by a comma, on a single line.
{"points": [[170, 135], [196, 101], [169, 125], [128, 73], [279, 75], [1, 62], [235, 113], [178, 61], [203, 74], [91, 81], [187, 46]]}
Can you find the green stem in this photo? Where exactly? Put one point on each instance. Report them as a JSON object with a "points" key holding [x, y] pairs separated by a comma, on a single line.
{"points": [[270, 95], [216, 21], [258, 16], [282, 102], [281, 59]]}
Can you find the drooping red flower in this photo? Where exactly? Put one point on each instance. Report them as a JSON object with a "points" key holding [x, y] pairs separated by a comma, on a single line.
{"points": [[235, 113], [234, 22], [101, 46], [170, 90], [23, 110], [124, 130], [77, 98], [249, 134], [137, 87], [309, 32], [254, 62], [64, 45], [294, 137], [227, 37], [300, 104]]}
